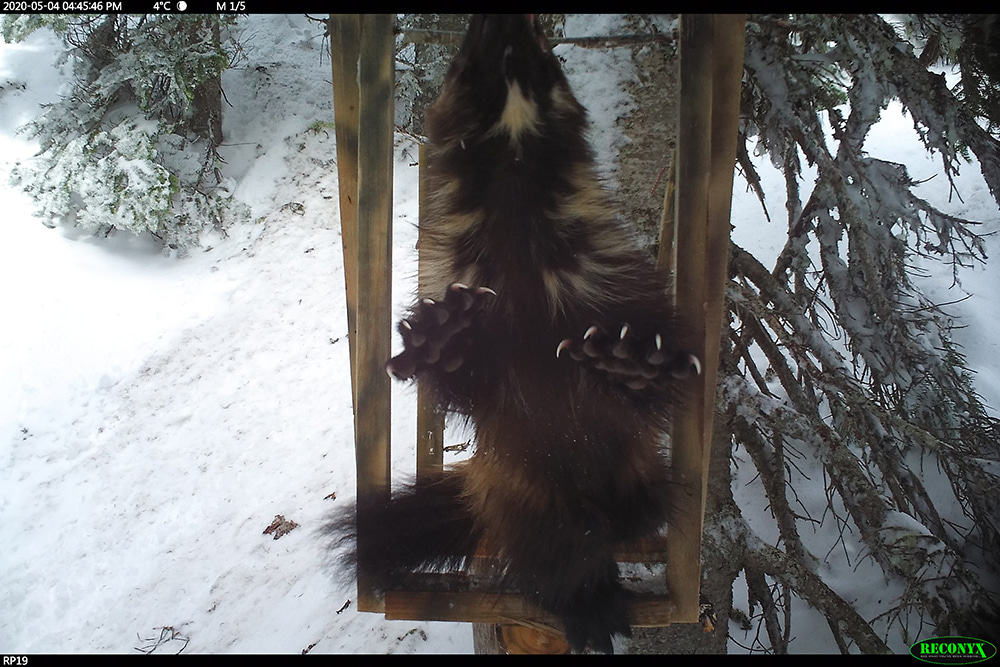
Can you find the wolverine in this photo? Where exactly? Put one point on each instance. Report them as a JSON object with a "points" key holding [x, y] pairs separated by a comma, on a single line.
{"points": [[550, 330]]}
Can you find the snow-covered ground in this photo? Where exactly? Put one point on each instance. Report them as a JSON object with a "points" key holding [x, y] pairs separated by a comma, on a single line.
{"points": [[156, 414]]}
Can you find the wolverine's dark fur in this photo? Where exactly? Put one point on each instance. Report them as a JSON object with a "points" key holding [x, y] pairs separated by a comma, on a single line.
{"points": [[565, 365]]}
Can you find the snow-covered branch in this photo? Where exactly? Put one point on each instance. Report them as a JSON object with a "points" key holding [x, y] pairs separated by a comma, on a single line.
{"points": [[842, 360]]}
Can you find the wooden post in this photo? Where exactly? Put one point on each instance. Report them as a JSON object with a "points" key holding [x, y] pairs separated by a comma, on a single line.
{"points": [[430, 418], [345, 36], [666, 259], [711, 67], [711, 62], [727, 76], [371, 282]]}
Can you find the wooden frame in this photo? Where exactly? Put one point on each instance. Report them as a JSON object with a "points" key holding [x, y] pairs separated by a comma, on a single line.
{"points": [[362, 59], [711, 69], [711, 60]]}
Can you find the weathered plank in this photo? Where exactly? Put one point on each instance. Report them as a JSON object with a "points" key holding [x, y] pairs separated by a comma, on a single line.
{"points": [[430, 418], [362, 52], [645, 610], [711, 65]]}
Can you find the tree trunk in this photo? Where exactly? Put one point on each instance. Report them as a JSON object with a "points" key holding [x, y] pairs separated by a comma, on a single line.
{"points": [[207, 119]]}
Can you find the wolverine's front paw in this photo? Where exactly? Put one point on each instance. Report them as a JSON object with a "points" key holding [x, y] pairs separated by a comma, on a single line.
{"points": [[630, 359], [433, 333]]}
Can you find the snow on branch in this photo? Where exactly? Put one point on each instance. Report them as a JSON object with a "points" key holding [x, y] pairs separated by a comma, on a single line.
{"points": [[839, 362]]}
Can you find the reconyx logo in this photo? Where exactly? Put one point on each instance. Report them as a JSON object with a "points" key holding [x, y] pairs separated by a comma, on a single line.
{"points": [[953, 650]]}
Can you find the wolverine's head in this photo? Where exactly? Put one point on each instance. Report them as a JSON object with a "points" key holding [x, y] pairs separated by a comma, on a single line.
{"points": [[504, 80]]}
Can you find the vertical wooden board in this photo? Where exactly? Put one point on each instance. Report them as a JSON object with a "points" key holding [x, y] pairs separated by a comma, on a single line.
{"points": [[711, 56], [430, 434], [345, 39], [727, 76], [372, 347], [687, 437], [430, 418], [486, 639], [666, 259]]}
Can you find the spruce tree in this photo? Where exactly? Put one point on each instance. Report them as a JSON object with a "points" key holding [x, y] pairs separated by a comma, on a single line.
{"points": [[133, 146], [835, 362]]}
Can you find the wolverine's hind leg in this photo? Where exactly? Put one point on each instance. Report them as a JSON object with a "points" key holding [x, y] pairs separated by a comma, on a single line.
{"points": [[559, 555], [436, 333], [587, 596]]}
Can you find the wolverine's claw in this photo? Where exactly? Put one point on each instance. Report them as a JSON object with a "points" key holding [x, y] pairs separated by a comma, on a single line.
{"points": [[435, 333], [620, 350], [686, 366], [631, 358]]}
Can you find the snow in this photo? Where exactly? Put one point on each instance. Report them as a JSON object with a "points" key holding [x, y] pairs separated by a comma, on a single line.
{"points": [[156, 414]]}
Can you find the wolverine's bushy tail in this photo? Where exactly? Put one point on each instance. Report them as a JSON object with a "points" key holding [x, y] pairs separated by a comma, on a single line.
{"points": [[425, 526]]}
